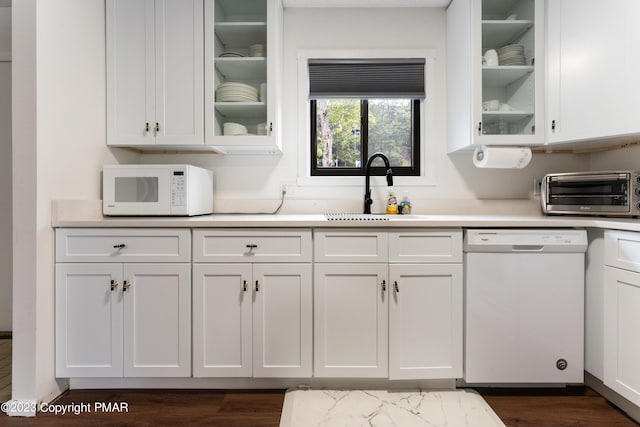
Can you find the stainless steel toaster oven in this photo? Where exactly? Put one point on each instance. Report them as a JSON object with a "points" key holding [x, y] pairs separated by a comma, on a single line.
{"points": [[614, 193]]}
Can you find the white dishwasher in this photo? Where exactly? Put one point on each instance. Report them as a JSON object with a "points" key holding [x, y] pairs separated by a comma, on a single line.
{"points": [[524, 306]]}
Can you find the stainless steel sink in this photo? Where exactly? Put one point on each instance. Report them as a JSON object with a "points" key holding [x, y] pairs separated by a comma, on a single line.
{"points": [[355, 217]]}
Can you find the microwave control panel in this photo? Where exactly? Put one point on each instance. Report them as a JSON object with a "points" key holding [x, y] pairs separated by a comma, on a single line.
{"points": [[178, 191]]}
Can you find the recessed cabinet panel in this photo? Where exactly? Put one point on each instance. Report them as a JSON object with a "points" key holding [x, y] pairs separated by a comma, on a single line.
{"points": [[130, 71], [591, 42], [622, 322], [442, 246], [350, 246], [351, 320], [622, 250], [282, 319], [252, 246], [425, 321], [122, 245], [157, 337], [179, 72], [88, 320], [222, 320]]}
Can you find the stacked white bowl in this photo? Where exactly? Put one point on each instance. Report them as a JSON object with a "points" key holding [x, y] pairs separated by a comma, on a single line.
{"points": [[230, 128]]}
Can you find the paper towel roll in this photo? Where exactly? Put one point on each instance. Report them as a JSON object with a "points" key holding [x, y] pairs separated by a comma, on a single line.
{"points": [[501, 157]]}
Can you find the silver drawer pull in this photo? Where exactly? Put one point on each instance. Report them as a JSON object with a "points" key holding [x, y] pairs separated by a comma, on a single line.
{"points": [[114, 285], [252, 246], [257, 286], [244, 286], [126, 285], [119, 246], [384, 286], [396, 287]]}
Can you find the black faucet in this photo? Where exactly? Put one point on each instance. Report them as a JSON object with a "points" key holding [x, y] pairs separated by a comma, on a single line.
{"points": [[367, 189]]}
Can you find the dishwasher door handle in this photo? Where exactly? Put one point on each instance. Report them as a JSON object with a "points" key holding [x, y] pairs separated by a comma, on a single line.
{"points": [[527, 248]]}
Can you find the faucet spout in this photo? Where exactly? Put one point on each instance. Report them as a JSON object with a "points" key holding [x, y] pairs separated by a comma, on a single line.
{"points": [[367, 189]]}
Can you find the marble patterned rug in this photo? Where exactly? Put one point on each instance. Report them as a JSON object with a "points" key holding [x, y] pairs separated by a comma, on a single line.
{"points": [[378, 408]]}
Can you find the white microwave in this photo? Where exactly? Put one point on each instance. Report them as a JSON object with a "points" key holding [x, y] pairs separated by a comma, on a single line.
{"points": [[156, 190]]}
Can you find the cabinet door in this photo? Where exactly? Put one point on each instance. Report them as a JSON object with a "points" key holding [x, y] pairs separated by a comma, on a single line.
{"points": [[236, 30], [351, 320], [155, 72], [179, 67], [592, 69], [425, 321], [88, 320], [157, 319], [282, 320], [222, 320], [130, 72], [621, 326], [500, 102]]}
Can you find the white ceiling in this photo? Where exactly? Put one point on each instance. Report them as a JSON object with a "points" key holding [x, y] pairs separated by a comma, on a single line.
{"points": [[366, 3]]}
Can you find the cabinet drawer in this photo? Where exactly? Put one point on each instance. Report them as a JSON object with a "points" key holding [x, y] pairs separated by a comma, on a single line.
{"points": [[252, 246], [123, 245], [622, 249], [350, 246], [438, 246]]}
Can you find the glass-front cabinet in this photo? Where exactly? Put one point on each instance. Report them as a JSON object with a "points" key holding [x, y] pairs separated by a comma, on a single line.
{"points": [[495, 73], [242, 72]]}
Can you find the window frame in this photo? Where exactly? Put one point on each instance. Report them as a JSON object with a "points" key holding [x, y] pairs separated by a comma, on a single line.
{"points": [[413, 170], [431, 130]]}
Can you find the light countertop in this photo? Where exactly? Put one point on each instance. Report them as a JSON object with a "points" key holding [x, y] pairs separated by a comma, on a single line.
{"points": [[75, 216]]}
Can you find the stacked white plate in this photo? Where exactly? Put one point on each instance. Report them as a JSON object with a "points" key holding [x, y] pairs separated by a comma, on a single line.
{"points": [[236, 92], [230, 128], [231, 54], [256, 50], [512, 54]]}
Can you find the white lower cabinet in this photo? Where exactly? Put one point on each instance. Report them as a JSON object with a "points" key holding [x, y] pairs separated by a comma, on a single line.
{"points": [[425, 321], [252, 319], [117, 318], [351, 320], [401, 320], [622, 314]]}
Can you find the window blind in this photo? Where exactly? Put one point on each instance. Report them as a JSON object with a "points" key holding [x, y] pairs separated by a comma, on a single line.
{"points": [[367, 78]]}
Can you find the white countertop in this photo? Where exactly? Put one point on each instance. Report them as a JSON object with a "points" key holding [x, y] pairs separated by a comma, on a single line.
{"points": [[73, 216]]}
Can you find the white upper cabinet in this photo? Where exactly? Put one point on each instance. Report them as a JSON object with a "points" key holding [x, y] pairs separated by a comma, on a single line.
{"points": [[593, 60], [243, 43], [155, 73], [495, 73]]}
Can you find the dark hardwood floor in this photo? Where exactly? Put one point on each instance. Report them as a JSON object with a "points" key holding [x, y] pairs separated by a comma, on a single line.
{"points": [[570, 407], [578, 407]]}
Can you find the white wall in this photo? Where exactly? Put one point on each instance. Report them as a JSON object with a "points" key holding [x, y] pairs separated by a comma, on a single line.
{"points": [[622, 159], [59, 146], [252, 178], [5, 168]]}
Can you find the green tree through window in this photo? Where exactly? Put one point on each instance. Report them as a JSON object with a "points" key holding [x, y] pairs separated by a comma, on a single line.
{"points": [[345, 132]]}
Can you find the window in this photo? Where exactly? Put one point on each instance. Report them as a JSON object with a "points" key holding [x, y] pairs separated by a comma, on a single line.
{"points": [[359, 107]]}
